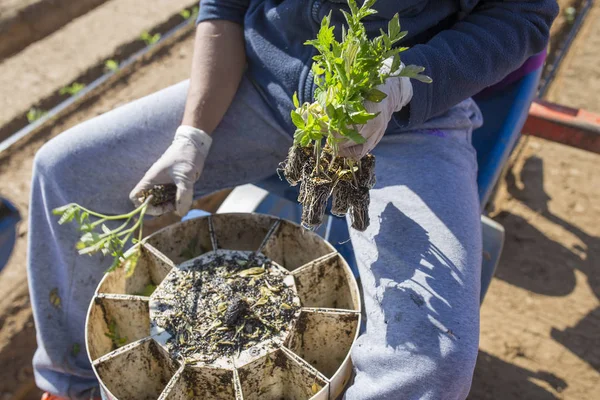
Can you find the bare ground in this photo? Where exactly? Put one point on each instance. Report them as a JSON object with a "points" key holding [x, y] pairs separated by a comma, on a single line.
{"points": [[540, 320], [577, 82]]}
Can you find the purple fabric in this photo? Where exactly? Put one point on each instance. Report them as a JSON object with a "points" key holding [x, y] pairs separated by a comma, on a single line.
{"points": [[532, 64]]}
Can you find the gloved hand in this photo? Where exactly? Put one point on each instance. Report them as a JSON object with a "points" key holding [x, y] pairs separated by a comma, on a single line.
{"points": [[182, 164], [399, 92]]}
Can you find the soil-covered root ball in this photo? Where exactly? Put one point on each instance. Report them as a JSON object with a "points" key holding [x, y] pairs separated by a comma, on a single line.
{"points": [[161, 194], [340, 198], [366, 172], [316, 192], [359, 201], [298, 157]]}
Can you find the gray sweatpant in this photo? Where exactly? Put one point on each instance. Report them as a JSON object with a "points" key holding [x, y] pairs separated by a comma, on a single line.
{"points": [[419, 261]]}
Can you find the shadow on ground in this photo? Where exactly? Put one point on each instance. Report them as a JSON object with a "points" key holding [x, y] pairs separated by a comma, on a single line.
{"points": [[497, 379], [533, 261]]}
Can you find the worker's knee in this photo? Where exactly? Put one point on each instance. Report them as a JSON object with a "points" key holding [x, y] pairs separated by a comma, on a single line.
{"points": [[441, 370], [56, 161], [47, 161]]}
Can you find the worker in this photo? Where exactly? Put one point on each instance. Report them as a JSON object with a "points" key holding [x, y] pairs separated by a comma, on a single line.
{"points": [[420, 258]]}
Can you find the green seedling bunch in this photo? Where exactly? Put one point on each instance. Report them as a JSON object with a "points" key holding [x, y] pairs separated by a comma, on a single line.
{"points": [[346, 75], [189, 14], [96, 237], [150, 39], [111, 65], [72, 89], [34, 114]]}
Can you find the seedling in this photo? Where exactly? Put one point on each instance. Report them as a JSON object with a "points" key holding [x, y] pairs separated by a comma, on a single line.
{"points": [[147, 291], [185, 14], [72, 89], [34, 114], [111, 65], [346, 75], [150, 39], [97, 237], [113, 335]]}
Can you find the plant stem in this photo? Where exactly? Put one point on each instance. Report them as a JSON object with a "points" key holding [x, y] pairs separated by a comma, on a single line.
{"points": [[318, 156]]}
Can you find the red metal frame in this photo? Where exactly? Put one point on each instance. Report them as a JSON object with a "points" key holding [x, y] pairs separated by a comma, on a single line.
{"points": [[573, 127]]}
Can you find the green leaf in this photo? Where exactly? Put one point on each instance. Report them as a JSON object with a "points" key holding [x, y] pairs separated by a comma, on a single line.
{"points": [[423, 78], [325, 35], [62, 210], [73, 89], [317, 69], [185, 14], [411, 71], [355, 136], [131, 262], [295, 100], [394, 27], [361, 117], [395, 64], [111, 65], [353, 7], [68, 215], [34, 114], [147, 291], [75, 349], [375, 95], [105, 229], [297, 119]]}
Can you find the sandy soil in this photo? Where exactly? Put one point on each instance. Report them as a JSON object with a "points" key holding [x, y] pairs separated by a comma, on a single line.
{"points": [[540, 320], [54, 62], [577, 82]]}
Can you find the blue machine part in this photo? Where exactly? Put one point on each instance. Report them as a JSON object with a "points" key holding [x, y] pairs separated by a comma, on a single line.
{"points": [[504, 114], [9, 218]]}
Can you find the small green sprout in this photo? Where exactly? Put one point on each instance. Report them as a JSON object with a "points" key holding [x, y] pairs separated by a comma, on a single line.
{"points": [[34, 114], [185, 14], [111, 65], [76, 349], [150, 39], [114, 336], [192, 13], [147, 290], [72, 89]]}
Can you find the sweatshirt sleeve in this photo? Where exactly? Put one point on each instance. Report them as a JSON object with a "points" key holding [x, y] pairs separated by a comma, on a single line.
{"points": [[230, 10], [493, 40]]}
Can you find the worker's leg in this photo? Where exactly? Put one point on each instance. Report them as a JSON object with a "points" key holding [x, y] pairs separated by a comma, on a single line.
{"points": [[96, 164], [419, 264]]}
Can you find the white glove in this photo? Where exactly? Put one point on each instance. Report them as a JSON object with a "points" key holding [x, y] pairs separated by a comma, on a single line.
{"points": [[399, 92], [182, 164]]}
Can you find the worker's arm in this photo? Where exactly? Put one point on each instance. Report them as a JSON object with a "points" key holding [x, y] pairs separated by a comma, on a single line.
{"points": [[491, 41], [217, 67]]}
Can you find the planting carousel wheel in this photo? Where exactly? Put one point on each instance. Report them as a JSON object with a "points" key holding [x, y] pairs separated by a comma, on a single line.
{"points": [[229, 306]]}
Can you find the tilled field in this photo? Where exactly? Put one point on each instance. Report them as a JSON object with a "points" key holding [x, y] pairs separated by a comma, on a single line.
{"points": [[540, 320]]}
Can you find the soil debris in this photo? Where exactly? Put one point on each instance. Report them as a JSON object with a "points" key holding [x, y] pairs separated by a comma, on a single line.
{"points": [[161, 194], [222, 305]]}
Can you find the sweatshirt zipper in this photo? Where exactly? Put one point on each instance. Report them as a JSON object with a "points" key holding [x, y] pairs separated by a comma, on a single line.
{"points": [[309, 83]]}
